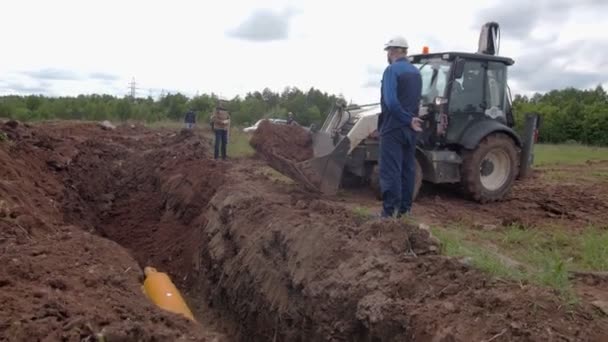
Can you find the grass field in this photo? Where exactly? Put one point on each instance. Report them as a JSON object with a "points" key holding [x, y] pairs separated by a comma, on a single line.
{"points": [[567, 154], [545, 154], [545, 255], [542, 257], [238, 144]]}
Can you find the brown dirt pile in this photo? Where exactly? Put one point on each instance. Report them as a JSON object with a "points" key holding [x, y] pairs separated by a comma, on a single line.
{"points": [[60, 282], [282, 147], [292, 268], [287, 141]]}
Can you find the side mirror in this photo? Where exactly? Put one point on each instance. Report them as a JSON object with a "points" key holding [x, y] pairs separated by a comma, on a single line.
{"points": [[459, 68]]}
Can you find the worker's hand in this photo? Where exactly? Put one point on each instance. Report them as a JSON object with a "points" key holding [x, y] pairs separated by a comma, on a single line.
{"points": [[416, 124]]}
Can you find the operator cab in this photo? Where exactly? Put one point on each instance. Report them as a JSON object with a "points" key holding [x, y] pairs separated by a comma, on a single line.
{"points": [[460, 89]]}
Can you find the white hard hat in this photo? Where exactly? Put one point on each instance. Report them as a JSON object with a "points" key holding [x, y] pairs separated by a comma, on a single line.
{"points": [[397, 41]]}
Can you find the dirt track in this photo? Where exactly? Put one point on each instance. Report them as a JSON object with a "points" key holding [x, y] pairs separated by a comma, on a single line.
{"points": [[536, 202], [259, 260]]}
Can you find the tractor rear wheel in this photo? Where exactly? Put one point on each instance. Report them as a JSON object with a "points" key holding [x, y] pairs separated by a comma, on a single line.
{"points": [[489, 171], [375, 181]]}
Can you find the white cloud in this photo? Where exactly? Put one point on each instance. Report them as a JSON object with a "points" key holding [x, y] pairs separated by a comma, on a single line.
{"points": [[52, 74], [331, 45], [263, 25]]}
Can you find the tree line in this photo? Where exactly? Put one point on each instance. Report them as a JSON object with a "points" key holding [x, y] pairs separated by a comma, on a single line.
{"points": [[567, 115], [308, 107]]}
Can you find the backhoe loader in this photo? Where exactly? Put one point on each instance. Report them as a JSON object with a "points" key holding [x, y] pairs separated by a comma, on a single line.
{"points": [[468, 133]]}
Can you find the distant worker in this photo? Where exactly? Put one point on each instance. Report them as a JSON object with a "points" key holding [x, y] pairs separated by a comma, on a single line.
{"points": [[220, 122], [190, 119], [398, 125], [290, 119]]}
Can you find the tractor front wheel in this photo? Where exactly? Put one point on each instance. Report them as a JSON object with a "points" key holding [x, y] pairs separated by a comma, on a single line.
{"points": [[375, 181], [489, 171]]}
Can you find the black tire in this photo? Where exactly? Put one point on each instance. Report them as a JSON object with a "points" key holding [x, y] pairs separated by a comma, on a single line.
{"points": [[489, 171], [374, 181]]}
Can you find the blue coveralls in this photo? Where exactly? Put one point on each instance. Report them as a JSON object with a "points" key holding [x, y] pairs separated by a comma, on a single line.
{"points": [[190, 119], [400, 100]]}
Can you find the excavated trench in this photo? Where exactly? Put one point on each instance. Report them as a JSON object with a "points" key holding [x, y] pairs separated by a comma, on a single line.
{"points": [[149, 196], [263, 261], [291, 267]]}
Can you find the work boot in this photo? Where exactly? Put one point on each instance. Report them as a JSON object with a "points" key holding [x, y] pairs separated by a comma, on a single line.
{"points": [[407, 213]]}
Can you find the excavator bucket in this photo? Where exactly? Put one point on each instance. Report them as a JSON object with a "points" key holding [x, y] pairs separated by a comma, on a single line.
{"points": [[323, 172]]}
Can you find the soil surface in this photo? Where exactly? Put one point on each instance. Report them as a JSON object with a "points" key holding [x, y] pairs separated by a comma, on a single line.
{"points": [[539, 201], [83, 209], [297, 268], [65, 185], [554, 195]]}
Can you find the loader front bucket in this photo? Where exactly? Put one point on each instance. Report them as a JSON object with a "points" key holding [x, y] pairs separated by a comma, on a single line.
{"points": [[323, 172]]}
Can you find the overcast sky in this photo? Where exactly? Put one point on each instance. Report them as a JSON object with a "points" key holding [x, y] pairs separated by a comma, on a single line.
{"points": [[231, 47]]}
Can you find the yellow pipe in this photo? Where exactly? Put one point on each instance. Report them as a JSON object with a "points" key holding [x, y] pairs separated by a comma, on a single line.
{"points": [[161, 291]]}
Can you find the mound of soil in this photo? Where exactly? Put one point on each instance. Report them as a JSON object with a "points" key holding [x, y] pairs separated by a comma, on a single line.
{"points": [[291, 142], [282, 147], [61, 181], [293, 268]]}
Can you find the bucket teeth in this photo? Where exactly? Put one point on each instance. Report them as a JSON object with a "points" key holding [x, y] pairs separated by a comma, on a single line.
{"points": [[322, 173]]}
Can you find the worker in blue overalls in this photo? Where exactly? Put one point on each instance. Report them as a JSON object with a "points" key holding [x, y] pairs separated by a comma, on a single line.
{"points": [[398, 125]]}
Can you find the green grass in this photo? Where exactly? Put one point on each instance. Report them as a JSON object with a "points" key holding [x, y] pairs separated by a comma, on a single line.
{"points": [[362, 212], [545, 154], [587, 251], [541, 256], [238, 144], [456, 243], [3, 137], [594, 254], [602, 175], [584, 174]]}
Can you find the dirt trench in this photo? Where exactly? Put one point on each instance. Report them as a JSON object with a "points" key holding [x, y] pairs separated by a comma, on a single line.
{"points": [[292, 267], [64, 187], [259, 261]]}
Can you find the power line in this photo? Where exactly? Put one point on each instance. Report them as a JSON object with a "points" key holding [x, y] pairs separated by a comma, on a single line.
{"points": [[133, 87]]}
